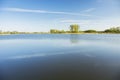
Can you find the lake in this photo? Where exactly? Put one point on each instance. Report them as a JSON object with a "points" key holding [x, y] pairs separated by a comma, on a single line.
{"points": [[60, 57]]}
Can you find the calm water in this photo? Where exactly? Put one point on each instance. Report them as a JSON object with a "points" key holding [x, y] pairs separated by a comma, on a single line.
{"points": [[60, 57]]}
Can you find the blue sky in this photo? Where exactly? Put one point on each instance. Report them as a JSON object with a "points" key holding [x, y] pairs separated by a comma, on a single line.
{"points": [[43, 15]]}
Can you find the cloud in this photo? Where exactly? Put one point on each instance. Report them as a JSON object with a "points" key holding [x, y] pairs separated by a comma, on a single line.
{"points": [[89, 10], [41, 11], [76, 21], [22, 10]]}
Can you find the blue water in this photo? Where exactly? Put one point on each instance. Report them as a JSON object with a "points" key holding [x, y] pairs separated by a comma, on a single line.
{"points": [[60, 57]]}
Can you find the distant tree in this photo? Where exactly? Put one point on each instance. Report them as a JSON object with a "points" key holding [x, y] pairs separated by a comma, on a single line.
{"points": [[7, 32], [63, 31], [107, 31], [0, 31], [54, 31], [74, 28], [67, 31], [113, 30], [14, 32], [90, 31]]}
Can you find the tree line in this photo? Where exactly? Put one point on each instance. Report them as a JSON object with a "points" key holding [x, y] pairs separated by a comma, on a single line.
{"points": [[16, 32], [74, 28]]}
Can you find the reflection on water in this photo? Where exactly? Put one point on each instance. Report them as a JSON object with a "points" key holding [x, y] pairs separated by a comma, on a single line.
{"points": [[60, 57], [74, 38]]}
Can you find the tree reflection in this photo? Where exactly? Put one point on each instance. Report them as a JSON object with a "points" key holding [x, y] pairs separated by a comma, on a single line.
{"points": [[74, 38]]}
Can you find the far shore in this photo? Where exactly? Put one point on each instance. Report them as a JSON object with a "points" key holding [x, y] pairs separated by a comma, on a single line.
{"points": [[60, 33], [5, 34]]}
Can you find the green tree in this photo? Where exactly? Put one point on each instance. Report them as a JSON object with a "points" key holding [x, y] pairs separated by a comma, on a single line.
{"points": [[54, 31], [14, 32], [113, 30], [90, 31], [0, 31], [74, 28], [62, 31]]}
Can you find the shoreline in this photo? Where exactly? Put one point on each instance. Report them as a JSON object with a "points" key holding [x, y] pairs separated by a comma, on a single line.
{"points": [[5, 34], [62, 33]]}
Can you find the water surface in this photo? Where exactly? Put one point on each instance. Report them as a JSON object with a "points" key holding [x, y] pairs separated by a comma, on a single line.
{"points": [[60, 57]]}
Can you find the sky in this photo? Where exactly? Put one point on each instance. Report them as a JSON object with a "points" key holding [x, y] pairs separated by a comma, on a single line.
{"points": [[43, 15]]}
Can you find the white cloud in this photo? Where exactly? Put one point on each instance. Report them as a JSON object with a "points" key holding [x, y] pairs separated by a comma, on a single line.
{"points": [[22, 10], [89, 10], [76, 21], [42, 11]]}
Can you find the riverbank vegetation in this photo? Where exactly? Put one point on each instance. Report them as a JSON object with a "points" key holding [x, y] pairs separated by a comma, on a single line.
{"points": [[73, 29], [76, 29], [113, 30]]}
